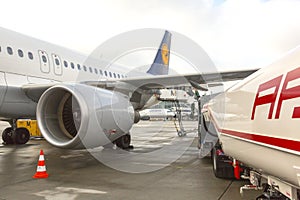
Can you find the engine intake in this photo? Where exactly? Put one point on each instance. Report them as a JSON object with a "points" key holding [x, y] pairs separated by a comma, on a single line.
{"points": [[76, 116]]}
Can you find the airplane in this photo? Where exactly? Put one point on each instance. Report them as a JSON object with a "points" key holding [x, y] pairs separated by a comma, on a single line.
{"points": [[163, 113], [79, 105], [257, 124]]}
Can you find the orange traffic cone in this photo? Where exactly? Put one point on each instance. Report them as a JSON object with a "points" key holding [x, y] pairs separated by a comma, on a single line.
{"points": [[41, 168]]}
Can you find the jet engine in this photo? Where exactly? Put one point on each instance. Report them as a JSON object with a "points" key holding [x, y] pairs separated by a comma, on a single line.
{"points": [[76, 116]]}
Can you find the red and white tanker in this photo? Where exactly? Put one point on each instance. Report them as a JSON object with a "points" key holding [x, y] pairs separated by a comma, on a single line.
{"points": [[258, 124]]}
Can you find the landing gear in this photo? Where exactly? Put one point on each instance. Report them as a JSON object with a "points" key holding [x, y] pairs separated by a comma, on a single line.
{"points": [[123, 142], [14, 135], [21, 135], [7, 136]]}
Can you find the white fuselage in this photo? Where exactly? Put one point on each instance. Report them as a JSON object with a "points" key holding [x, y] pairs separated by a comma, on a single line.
{"points": [[25, 60], [258, 119]]}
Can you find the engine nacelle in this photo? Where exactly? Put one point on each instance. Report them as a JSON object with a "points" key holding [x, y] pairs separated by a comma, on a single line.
{"points": [[76, 116]]}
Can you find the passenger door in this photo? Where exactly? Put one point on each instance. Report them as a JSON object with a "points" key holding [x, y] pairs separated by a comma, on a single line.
{"points": [[57, 65], [44, 62]]}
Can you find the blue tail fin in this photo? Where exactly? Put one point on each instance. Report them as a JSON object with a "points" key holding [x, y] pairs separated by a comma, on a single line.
{"points": [[160, 65]]}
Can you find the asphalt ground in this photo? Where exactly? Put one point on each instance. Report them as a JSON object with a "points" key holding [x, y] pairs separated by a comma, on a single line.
{"points": [[79, 174]]}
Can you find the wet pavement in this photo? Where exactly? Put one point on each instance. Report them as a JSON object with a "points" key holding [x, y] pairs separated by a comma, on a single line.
{"points": [[77, 174]]}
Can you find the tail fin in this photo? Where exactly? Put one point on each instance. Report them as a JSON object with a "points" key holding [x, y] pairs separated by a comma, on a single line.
{"points": [[160, 65]]}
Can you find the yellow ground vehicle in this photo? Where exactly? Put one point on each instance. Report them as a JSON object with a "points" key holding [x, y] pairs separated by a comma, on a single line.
{"points": [[31, 125]]}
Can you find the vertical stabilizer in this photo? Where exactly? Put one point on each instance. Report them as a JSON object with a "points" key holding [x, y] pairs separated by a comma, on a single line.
{"points": [[160, 65]]}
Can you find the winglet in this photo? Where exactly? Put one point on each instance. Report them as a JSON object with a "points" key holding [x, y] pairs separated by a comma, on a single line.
{"points": [[160, 65]]}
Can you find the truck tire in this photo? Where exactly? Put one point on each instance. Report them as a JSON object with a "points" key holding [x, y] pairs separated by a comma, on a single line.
{"points": [[124, 141], [222, 165]]}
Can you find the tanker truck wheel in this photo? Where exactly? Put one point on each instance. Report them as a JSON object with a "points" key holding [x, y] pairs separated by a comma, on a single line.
{"points": [[222, 164]]}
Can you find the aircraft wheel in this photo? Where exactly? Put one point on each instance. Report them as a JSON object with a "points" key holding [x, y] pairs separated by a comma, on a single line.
{"points": [[7, 136], [22, 136], [123, 142]]}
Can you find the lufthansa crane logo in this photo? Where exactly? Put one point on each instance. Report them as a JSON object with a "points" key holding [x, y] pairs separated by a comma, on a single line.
{"points": [[165, 54]]}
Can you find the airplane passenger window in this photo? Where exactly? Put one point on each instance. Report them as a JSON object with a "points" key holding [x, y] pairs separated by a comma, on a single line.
{"points": [[79, 67], [44, 58], [101, 72], [72, 65], [115, 75], [9, 50], [84, 67], [20, 52], [96, 71], [105, 73], [30, 55], [119, 76], [0, 48], [65, 63], [91, 70], [110, 74]]}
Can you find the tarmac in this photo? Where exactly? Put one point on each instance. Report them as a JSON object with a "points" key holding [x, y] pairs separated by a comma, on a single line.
{"points": [[176, 173]]}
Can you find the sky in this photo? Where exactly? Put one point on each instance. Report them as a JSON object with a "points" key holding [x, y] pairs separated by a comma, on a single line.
{"points": [[236, 34]]}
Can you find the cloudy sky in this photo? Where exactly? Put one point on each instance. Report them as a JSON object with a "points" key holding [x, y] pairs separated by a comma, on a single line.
{"points": [[235, 33]]}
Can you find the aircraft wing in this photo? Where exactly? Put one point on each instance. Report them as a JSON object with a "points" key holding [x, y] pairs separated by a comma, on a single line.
{"points": [[34, 91], [165, 81]]}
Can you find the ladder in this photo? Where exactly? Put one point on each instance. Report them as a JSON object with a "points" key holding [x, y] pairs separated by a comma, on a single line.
{"points": [[180, 129]]}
